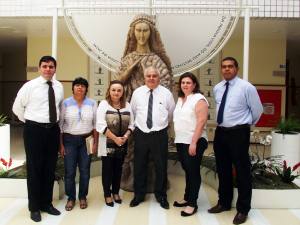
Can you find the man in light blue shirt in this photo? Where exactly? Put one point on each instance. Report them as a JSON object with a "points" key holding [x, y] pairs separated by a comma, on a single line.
{"points": [[238, 107]]}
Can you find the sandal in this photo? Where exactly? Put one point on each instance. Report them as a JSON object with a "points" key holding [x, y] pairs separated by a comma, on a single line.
{"points": [[83, 203], [70, 205]]}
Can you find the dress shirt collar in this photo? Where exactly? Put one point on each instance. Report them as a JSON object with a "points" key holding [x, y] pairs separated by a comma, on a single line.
{"points": [[148, 89], [231, 82], [43, 80]]}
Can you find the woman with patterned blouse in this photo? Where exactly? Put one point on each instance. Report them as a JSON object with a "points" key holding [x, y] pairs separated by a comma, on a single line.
{"points": [[114, 124]]}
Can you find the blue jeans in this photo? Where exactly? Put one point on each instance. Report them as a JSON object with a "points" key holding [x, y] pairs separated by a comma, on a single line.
{"points": [[76, 153]]}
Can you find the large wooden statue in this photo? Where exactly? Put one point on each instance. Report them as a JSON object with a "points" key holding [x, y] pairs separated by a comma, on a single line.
{"points": [[143, 48]]}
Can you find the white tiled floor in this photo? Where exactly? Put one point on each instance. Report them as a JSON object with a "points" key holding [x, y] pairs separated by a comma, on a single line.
{"points": [[14, 211]]}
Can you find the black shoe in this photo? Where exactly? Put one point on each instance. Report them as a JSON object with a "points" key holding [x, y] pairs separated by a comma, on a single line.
{"points": [[218, 209], [163, 202], [117, 198], [177, 204], [185, 214], [51, 210], [35, 216], [240, 218], [135, 202], [110, 204], [119, 201]]}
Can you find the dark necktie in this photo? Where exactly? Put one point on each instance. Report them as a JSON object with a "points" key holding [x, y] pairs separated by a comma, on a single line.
{"points": [[150, 106], [52, 107], [222, 106]]}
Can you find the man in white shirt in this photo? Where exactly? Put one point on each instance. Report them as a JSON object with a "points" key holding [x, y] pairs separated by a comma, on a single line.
{"points": [[152, 106], [37, 105], [238, 107]]}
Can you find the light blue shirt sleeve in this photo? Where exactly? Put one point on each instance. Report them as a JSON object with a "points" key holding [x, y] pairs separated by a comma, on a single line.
{"points": [[243, 105], [254, 103]]}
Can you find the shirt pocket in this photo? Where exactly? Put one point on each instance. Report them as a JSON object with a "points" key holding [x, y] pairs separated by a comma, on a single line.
{"points": [[162, 108], [237, 102]]}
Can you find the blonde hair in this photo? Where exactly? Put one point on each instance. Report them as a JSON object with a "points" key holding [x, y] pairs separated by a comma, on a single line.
{"points": [[123, 97], [155, 44]]}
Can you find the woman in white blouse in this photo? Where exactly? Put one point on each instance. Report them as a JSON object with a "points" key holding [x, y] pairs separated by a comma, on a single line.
{"points": [[190, 116], [114, 124], [77, 122]]}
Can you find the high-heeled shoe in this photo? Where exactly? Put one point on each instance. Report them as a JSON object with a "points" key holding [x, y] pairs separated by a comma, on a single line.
{"points": [[111, 204], [178, 204], [185, 214], [117, 199]]}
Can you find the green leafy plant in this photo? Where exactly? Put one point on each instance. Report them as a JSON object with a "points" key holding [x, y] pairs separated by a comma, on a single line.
{"points": [[288, 126], [286, 173], [3, 120]]}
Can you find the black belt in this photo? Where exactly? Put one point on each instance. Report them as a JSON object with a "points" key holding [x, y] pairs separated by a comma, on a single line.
{"points": [[78, 135], [236, 127], [43, 125]]}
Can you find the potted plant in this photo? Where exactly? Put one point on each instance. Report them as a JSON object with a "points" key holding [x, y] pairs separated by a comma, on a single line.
{"points": [[4, 138], [287, 173], [286, 140]]}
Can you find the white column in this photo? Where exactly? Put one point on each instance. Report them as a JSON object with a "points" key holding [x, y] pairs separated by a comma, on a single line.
{"points": [[246, 42], [54, 33], [150, 6]]}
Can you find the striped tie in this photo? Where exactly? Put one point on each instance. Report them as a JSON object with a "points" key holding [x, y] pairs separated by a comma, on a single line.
{"points": [[150, 106]]}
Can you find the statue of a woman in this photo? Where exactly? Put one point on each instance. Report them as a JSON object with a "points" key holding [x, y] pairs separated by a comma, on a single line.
{"points": [[144, 48]]}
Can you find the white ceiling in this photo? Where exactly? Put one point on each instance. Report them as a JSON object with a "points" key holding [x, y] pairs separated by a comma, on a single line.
{"points": [[14, 31]]}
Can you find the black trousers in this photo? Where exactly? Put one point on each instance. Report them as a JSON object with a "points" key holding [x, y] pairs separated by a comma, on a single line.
{"points": [[231, 147], [41, 147], [191, 166], [155, 145], [111, 174]]}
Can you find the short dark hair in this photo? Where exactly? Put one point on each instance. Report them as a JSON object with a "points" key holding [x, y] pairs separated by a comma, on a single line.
{"points": [[47, 58], [123, 97], [193, 78], [82, 81], [229, 58]]}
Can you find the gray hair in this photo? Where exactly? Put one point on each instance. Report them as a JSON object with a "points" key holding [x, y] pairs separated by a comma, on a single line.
{"points": [[146, 71]]}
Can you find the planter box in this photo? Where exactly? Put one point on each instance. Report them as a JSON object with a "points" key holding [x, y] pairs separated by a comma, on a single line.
{"points": [[287, 145], [261, 198], [17, 188], [5, 142]]}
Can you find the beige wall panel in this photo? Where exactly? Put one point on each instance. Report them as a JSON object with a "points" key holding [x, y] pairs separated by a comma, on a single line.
{"points": [[266, 56], [36, 47], [71, 60]]}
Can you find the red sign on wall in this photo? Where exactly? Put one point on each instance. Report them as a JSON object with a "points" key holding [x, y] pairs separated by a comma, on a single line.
{"points": [[271, 100]]}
